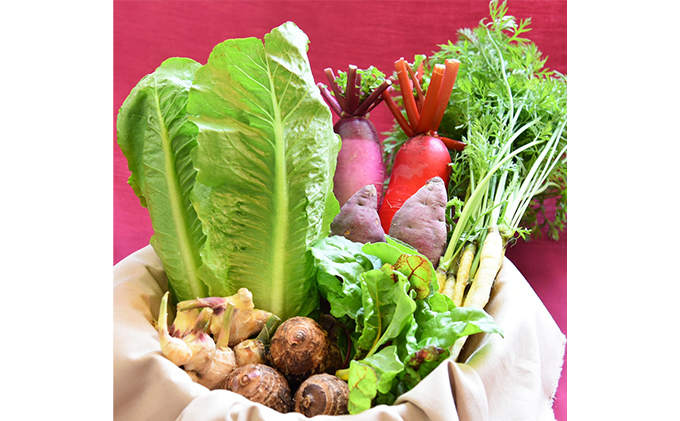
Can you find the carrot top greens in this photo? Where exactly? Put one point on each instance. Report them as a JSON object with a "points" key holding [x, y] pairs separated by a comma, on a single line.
{"points": [[507, 102]]}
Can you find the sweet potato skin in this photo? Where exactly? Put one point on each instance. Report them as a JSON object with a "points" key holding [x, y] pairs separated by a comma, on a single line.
{"points": [[358, 219], [421, 221]]}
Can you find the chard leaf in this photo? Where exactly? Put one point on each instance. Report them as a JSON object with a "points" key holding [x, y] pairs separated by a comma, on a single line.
{"points": [[421, 363], [372, 377], [156, 138], [445, 328], [388, 307], [420, 274], [387, 366], [407, 260], [266, 157], [340, 262], [362, 384]]}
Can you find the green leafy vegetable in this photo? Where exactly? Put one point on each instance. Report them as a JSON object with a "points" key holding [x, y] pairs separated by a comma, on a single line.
{"points": [[396, 323], [340, 263], [505, 99], [156, 138], [265, 159], [418, 365], [362, 384]]}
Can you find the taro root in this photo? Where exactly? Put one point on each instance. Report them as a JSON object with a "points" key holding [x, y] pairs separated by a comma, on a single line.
{"points": [[322, 394], [261, 384], [335, 360], [250, 351], [299, 348]]}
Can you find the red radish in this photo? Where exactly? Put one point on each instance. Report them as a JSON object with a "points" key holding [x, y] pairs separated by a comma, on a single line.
{"points": [[360, 161], [425, 155]]}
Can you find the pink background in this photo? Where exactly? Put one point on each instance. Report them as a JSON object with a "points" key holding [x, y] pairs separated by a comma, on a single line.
{"points": [[341, 33]]}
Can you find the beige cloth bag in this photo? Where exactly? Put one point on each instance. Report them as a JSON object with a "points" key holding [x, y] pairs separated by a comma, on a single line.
{"points": [[510, 378]]}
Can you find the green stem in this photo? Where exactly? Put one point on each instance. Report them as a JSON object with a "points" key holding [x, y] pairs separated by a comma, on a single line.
{"points": [[478, 194], [223, 337]]}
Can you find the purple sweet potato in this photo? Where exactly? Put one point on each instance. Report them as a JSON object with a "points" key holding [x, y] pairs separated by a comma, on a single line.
{"points": [[358, 219], [421, 221]]}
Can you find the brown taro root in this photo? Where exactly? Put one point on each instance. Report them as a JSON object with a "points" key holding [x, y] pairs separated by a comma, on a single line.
{"points": [[335, 360], [261, 384], [421, 221], [299, 348], [358, 219], [322, 394], [246, 320]]}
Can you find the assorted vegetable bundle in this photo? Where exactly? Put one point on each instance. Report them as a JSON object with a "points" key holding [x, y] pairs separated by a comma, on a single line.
{"points": [[292, 280]]}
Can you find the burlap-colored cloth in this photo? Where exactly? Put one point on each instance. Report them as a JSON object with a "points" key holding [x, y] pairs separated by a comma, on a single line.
{"points": [[500, 378]]}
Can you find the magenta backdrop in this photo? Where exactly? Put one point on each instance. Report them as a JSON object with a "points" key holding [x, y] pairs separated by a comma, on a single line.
{"points": [[341, 33]]}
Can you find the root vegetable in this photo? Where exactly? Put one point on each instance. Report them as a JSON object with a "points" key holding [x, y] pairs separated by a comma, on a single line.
{"points": [[246, 320], [172, 347], [299, 348], [262, 384], [360, 160], [358, 219], [421, 221], [201, 344], [207, 362], [322, 394], [490, 259], [463, 273], [335, 360], [425, 155], [250, 351], [222, 360]]}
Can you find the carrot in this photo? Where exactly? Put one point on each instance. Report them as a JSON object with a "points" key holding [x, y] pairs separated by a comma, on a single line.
{"points": [[491, 257], [446, 287], [463, 273], [424, 156]]}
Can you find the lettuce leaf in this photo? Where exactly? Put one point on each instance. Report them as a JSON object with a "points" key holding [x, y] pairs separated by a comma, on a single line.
{"points": [[265, 158], [156, 138]]}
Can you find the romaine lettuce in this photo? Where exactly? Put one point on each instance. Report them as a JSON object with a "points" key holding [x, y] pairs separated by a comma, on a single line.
{"points": [[157, 139], [265, 158]]}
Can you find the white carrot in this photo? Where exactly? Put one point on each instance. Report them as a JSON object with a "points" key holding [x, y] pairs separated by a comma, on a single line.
{"points": [[447, 287], [490, 259], [463, 273]]}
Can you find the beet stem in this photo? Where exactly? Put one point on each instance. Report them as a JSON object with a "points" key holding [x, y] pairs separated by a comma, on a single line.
{"points": [[351, 91], [374, 98], [330, 99], [334, 86]]}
